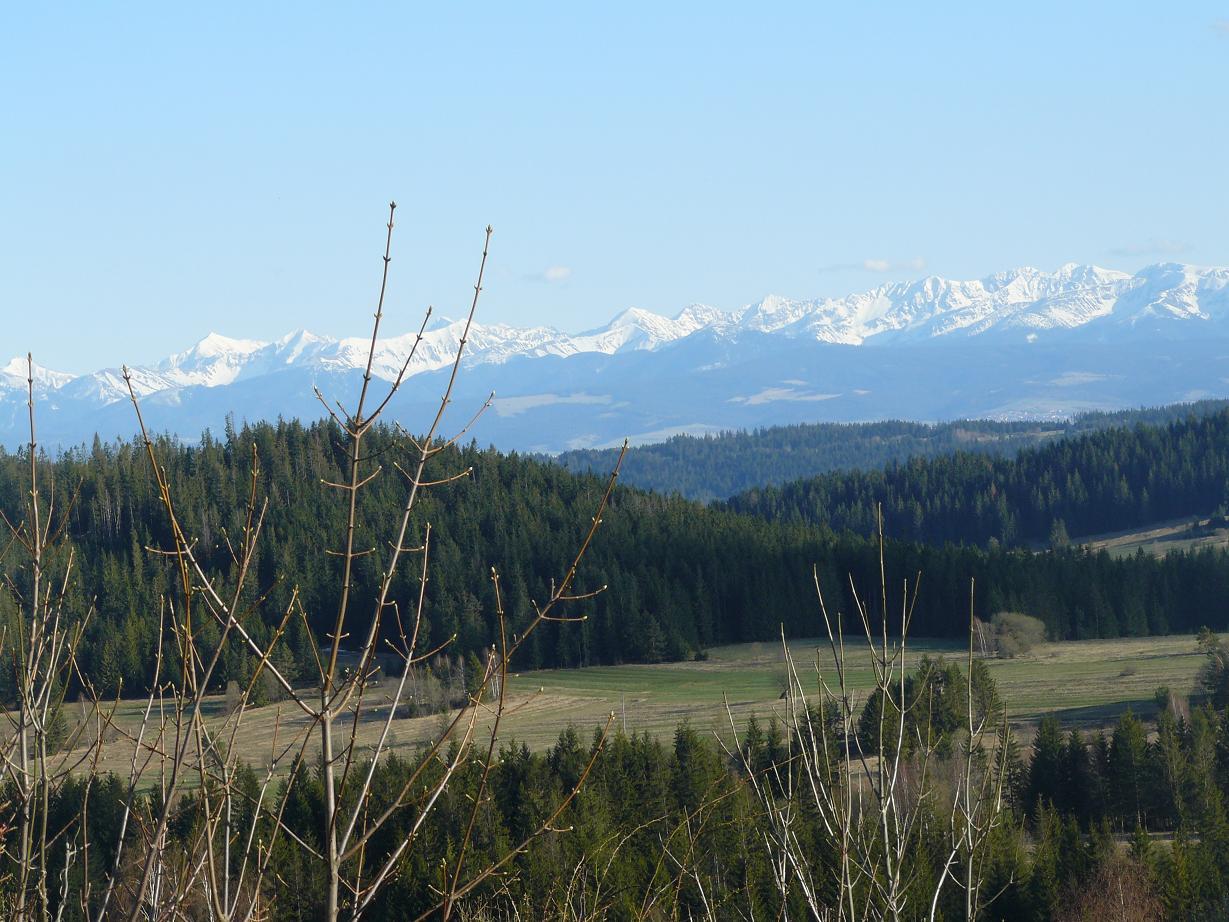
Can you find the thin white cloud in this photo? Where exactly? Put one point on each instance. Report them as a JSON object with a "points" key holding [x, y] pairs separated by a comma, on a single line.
{"points": [[876, 265], [1221, 27]]}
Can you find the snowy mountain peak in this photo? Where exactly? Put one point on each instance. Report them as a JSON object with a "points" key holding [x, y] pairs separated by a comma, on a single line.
{"points": [[696, 316], [1167, 300], [17, 371], [773, 304], [213, 361], [439, 321], [216, 345], [635, 316], [297, 340]]}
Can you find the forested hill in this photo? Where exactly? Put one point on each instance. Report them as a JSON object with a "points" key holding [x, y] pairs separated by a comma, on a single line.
{"points": [[681, 576], [1110, 480], [722, 465]]}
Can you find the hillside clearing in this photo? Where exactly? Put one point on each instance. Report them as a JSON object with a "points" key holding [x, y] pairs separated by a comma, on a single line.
{"points": [[1184, 534], [1086, 683]]}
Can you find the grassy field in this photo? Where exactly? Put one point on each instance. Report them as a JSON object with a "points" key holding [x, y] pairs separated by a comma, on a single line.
{"points": [[1088, 683], [1160, 538]]}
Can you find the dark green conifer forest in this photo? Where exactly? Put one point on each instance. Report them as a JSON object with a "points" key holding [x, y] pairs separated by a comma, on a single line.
{"points": [[671, 828], [721, 465], [681, 577], [1114, 479], [688, 827]]}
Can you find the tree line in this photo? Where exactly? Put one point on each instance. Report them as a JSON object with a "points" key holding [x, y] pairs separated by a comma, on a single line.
{"points": [[720, 465], [672, 828], [1114, 479], [680, 576]]}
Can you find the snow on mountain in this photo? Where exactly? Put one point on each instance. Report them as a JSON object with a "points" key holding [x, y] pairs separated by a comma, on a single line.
{"points": [[215, 360], [1023, 300], [1016, 309], [1174, 292], [17, 371], [633, 329], [931, 307], [107, 385]]}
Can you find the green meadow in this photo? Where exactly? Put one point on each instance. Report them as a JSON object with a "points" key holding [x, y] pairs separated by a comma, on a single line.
{"points": [[1086, 683]]}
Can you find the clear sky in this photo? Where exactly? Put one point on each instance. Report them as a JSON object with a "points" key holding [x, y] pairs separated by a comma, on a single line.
{"points": [[172, 169]]}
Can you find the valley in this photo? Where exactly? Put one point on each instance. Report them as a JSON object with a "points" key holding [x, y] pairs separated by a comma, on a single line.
{"points": [[439, 443], [1086, 684]]}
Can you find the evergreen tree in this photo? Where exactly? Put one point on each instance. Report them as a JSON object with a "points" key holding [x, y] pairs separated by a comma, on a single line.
{"points": [[1046, 770]]}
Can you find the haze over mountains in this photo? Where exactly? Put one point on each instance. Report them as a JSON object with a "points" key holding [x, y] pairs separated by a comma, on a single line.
{"points": [[1017, 344]]}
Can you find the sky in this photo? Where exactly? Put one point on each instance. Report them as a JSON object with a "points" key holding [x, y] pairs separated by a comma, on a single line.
{"points": [[175, 169]]}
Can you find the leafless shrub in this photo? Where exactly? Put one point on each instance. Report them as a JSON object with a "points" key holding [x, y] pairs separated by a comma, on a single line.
{"points": [[222, 870], [232, 697], [1124, 889], [872, 790], [1016, 634], [41, 648]]}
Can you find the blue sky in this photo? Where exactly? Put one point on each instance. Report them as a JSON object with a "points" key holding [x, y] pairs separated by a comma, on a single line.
{"points": [[174, 169]]}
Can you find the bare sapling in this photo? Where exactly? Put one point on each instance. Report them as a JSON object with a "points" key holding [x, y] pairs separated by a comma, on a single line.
{"points": [[39, 647], [182, 756], [873, 784]]}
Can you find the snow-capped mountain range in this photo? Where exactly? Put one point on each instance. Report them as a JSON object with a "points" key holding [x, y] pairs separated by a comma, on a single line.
{"points": [[599, 375]]}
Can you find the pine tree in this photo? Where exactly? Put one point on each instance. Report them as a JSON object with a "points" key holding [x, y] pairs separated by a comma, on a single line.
{"points": [[1046, 769]]}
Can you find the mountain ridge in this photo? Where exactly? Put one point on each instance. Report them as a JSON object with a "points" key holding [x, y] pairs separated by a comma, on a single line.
{"points": [[1073, 296], [1077, 338]]}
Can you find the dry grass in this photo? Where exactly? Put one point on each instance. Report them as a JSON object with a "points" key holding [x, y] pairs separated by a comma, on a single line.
{"points": [[1086, 682], [1159, 539]]}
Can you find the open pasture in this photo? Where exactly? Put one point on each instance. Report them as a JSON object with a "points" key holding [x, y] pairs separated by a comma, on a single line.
{"points": [[1185, 534], [1088, 683]]}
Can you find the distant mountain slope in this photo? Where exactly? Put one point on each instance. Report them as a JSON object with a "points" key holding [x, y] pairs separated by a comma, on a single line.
{"points": [[1104, 481], [1016, 344], [720, 465]]}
